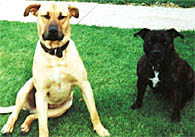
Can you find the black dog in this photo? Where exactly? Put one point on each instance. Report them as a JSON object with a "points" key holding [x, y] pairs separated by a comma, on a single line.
{"points": [[163, 70]]}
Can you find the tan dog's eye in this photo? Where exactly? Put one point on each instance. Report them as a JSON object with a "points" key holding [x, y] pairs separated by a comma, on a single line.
{"points": [[61, 17], [46, 16]]}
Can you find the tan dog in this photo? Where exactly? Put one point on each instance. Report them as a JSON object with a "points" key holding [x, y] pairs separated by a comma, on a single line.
{"points": [[57, 68]]}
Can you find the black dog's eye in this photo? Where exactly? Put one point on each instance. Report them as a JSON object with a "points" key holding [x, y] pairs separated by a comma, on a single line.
{"points": [[149, 43], [165, 42], [61, 17], [46, 16]]}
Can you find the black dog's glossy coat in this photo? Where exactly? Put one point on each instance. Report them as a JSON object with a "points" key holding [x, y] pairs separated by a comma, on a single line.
{"points": [[175, 74]]}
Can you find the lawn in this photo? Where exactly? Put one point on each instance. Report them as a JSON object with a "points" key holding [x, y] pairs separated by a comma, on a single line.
{"points": [[110, 56], [181, 3]]}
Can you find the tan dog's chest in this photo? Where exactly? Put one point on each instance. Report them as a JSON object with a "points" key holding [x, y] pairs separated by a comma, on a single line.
{"points": [[57, 76], [60, 85]]}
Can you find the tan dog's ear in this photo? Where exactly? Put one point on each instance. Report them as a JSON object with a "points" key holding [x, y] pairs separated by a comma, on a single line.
{"points": [[33, 9], [73, 11]]}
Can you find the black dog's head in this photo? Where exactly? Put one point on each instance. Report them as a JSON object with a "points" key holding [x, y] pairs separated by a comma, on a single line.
{"points": [[158, 44]]}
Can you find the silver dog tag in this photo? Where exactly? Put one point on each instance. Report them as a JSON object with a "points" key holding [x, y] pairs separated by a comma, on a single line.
{"points": [[55, 51]]}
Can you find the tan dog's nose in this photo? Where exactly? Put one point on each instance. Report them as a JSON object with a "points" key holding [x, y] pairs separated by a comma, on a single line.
{"points": [[52, 33], [53, 30]]}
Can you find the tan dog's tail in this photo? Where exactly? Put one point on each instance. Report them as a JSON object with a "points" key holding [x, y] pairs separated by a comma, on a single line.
{"points": [[6, 109]]}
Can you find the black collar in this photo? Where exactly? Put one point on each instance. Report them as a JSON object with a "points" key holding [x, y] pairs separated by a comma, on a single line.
{"points": [[55, 51]]}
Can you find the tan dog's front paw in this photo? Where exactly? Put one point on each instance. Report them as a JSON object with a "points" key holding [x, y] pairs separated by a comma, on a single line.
{"points": [[25, 128], [101, 131], [7, 128]]}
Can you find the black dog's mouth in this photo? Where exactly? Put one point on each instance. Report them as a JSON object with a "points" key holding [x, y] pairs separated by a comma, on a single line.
{"points": [[155, 64], [155, 57], [155, 61]]}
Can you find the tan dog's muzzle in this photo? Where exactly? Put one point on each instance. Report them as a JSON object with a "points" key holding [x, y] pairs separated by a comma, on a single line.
{"points": [[53, 33]]}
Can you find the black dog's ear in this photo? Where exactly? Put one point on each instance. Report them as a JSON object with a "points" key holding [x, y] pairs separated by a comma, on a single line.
{"points": [[175, 33], [142, 33]]}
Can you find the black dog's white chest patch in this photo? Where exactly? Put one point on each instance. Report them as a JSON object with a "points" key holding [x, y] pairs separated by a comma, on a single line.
{"points": [[155, 79]]}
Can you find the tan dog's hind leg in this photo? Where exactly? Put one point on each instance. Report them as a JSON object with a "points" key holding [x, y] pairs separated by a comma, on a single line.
{"points": [[89, 100], [51, 114], [20, 101]]}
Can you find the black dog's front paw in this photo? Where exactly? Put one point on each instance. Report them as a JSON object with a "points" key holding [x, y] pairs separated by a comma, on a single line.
{"points": [[135, 105], [175, 117]]}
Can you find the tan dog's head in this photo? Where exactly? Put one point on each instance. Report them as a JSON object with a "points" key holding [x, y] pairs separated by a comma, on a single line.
{"points": [[53, 22]]}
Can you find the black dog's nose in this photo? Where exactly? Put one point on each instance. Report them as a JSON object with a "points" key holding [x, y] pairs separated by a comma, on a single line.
{"points": [[156, 52]]}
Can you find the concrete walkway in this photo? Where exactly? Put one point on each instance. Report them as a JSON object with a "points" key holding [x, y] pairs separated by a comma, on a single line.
{"points": [[122, 16]]}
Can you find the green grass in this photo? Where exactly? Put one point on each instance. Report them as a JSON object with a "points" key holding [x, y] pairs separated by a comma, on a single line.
{"points": [[110, 56], [181, 3]]}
